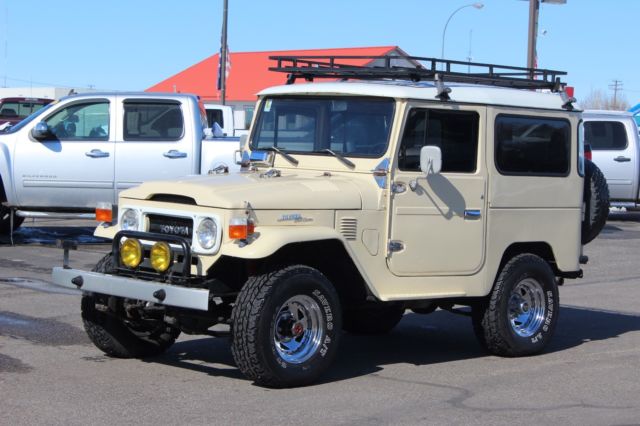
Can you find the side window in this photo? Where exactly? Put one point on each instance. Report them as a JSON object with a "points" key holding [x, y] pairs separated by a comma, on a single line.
{"points": [[454, 132], [84, 121], [605, 135], [215, 116], [248, 116], [10, 110], [153, 121], [536, 146]]}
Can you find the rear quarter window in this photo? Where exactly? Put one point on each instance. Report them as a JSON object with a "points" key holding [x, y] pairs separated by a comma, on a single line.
{"points": [[605, 135], [153, 121], [534, 146]]}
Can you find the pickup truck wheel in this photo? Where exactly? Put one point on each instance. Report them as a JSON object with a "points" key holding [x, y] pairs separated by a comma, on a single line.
{"points": [[520, 314], [118, 335], [372, 319], [5, 220], [596, 202], [285, 327]]}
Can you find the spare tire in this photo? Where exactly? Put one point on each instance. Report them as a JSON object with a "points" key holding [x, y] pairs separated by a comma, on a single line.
{"points": [[595, 201]]}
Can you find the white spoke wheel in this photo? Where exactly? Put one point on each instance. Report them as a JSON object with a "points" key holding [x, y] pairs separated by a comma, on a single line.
{"points": [[285, 327], [520, 314]]}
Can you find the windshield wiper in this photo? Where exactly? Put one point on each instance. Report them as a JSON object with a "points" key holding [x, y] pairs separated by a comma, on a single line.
{"points": [[340, 157], [284, 154]]}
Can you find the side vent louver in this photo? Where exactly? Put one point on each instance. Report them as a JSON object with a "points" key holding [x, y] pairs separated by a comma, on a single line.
{"points": [[349, 228]]}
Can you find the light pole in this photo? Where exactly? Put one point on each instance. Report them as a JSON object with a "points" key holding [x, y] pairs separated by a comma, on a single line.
{"points": [[474, 5], [534, 11]]}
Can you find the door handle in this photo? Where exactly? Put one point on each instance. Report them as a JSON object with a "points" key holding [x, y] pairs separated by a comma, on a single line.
{"points": [[96, 153], [471, 214], [622, 159], [175, 154]]}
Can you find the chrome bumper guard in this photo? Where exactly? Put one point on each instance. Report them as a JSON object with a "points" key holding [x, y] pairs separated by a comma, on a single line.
{"points": [[166, 294]]}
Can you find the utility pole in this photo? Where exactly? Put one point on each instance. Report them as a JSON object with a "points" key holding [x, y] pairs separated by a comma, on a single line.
{"points": [[223, 54], [534, 10], [616, 86]]}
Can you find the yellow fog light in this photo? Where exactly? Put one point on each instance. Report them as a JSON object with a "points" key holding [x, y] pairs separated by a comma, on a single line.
{"points": [[161, 256], [131, 253]]}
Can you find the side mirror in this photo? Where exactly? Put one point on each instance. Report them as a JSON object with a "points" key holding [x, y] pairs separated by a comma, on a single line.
{"points": [[430, 160], [242, 156], [41, 131]]}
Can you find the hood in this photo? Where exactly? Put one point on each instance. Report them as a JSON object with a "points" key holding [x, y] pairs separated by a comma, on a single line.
{"points": [[231, 191]]}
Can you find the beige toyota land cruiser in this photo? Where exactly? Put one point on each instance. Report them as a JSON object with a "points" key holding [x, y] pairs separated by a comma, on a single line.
{"points": [[402, 188]]}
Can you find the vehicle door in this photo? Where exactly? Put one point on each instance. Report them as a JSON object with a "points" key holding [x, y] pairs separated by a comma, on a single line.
{"points": [[615, 154], [155, 141], [438, 220], [73, 167]]}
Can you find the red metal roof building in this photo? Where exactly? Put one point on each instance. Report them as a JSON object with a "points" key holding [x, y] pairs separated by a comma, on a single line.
{"points": [[249, 73]]}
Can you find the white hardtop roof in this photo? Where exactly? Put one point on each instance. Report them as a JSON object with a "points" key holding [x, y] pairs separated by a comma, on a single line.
{"points": [[606, 113], [460, 93]]}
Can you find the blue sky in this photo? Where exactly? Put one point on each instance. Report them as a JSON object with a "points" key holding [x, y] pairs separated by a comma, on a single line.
{"points": [[133, 44]]}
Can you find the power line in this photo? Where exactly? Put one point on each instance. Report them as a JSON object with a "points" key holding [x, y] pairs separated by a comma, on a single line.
{"points": [[615, 86], [64, 86]]}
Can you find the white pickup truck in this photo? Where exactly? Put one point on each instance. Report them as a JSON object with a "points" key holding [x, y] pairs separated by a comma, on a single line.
{"points": [[613, 137], [85, 149], [230, 122]]}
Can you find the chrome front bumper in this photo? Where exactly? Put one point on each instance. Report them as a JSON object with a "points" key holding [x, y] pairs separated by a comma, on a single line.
{"points": [[166, 294]]}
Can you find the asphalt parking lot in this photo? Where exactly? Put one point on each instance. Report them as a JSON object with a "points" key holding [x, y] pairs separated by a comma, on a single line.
{"points": [[429, 370]]}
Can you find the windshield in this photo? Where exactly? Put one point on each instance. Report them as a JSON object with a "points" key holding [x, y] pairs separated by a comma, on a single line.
{"points": [[349, 126], [28, 120]]}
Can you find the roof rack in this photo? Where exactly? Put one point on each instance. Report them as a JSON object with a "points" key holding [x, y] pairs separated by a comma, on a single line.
{"points": [[416, 68]]}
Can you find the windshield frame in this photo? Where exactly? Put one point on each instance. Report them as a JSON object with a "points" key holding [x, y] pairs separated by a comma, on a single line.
{"points": [[331, 96]]}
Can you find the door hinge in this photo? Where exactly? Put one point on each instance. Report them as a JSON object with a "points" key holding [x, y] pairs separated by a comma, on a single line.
{"points": [[395, 246]]}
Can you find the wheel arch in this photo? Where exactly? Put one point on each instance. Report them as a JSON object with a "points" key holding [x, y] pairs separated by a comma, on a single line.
{"points": [[541, 249], [329, 256]]}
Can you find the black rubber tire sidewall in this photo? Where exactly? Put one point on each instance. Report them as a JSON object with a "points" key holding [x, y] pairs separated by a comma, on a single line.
{"points": [[492, 322], [112, 336], [254, 320], [596, 202], [5, 220]]}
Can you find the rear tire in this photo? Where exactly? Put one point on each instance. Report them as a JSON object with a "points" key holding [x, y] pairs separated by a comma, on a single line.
{"points": [[117, 335], [520, 314], [596, 202], [285, 327]]}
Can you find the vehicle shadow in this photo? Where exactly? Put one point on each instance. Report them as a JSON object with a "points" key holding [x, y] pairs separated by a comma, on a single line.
{"points": [[418, 340], [47, 235]]}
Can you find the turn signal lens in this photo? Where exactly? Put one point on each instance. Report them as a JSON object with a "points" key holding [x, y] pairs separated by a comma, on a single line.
{"points": [[160, 256], [103, 212], [131, 253], [240, 228]]}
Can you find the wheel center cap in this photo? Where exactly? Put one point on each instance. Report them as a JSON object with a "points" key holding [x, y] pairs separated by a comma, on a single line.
{"points": [[297, 329], [524, 307]]}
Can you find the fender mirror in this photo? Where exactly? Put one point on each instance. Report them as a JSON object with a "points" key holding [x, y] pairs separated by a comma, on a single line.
{"points": [[430, 160]]}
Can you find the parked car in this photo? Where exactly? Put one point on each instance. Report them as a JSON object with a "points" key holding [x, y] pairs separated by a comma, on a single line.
{"points": [[13, 110], [87, 148], [358, 200], [230, 122], [613, 137]]}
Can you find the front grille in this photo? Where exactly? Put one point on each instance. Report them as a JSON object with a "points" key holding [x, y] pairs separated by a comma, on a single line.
{"points": [[169, 225]]}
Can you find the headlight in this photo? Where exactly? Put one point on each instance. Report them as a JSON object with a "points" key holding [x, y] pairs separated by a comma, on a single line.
{"points": [[131, 253], [206, 232], [160, 256], [129, 220]]}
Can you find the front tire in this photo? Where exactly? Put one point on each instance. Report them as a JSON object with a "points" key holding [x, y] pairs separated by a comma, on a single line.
{"points": [[520, 315], [5, 220], [119, 335], [285, 327]]}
